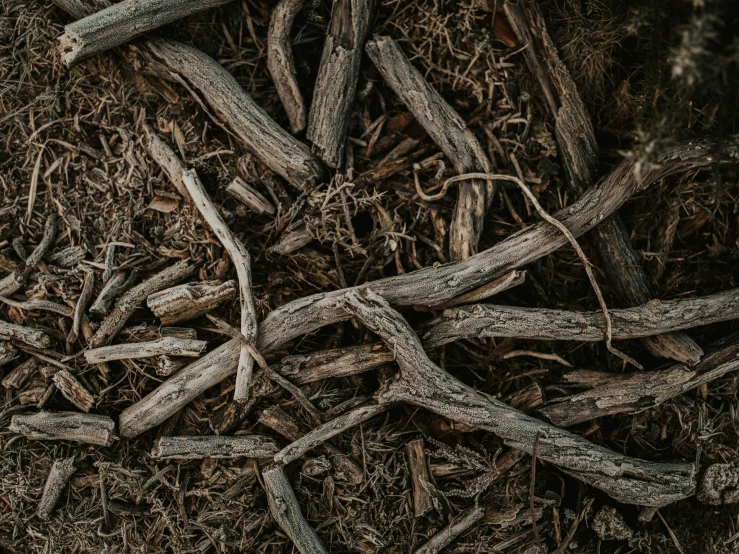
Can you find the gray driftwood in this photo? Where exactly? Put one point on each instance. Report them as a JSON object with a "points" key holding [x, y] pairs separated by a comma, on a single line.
{"points": [[579, 150], [61, 471], [132, 299], [339, 362], [451, 135], [165, 157], [292, 241], [250, 197], [422, 383], [186, 302], [461, 524], [20, 374], [336, 82], [512, 279], [81, 306], [286, 512], [242, 446], [167, 345], [281, 63], [73, 390], [70, 426], [113, 288], [420, 478], [33, 337], [431, 286], [488, 320], [122, 22]]}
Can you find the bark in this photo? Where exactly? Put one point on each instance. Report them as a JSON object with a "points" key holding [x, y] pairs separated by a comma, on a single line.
{"points": [[186, 302], [461, 524], [132, 299], [451, 135], [82, 302], [73, 390], [34, 337], [168, 345], [286, 512], [59, 476], [336, 82], [420, 478], [114, 287], [250, 197], [231, 414], [191, 448], [292, 241], [121, 23], [340, 362], [69, 426], [281, 63], [20, 374], [579, 149], [487, 320], [512, 279], [424, 384]]}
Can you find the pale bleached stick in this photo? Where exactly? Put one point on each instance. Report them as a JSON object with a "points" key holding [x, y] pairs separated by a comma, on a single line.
{"points": [[82, 302], [167, 345], [61, 471], [242, 262], [69, 426], [188, 301], [8, 353], [242, 446]]}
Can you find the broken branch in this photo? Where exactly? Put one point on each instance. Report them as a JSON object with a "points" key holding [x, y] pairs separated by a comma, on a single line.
{"points": [[167, 345]]}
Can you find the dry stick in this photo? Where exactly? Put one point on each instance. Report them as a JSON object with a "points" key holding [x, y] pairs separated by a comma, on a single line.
{"points": [[512, 279], [113, 288], [450, 133], [132, 299], [166, 158], [242, 262], [121, 23], [38, 304], [82, 302], [281, 63], [71, 426], [186, 302], [422, 383], [50, 230], [191, 448], [250, 197], [577, 143], [420, 479], [20, 374], [27, 335], [168, 345], [61, 471], [336, 82], [8, 353], [488, 320], [73, 390], [286, 512], [462, 523], [430, 286]]}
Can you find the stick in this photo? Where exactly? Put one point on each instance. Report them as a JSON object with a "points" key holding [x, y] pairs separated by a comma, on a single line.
{"points": [[165, 157], [465, 521], [50, 230], [166, 365], [132, 299], [121, 23], [286, 512], [424, 384], [82, 302], [8, 353], [242, 261], [61, 471], [336, 82], [69, 426], [186, 302], [20, 374], [431, 286], [250, 197], [117, 284], [168, 345], [281, 63], [512, 279], [449, 132], [420, 478], [487, 320], [72, 390], [192, 448], [577, 143], [39, 304], [34, 337]]}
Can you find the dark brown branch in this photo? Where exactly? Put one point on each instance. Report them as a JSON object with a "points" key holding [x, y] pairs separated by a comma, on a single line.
{"points": [[20, 374], [420, 478]]}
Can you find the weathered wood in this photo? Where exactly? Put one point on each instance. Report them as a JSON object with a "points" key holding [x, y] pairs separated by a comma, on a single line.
{"points": [[422, 383], [8, 353], [641, 391], [50, 230], [73, 390], [168, 345], [167, 365], [69, 426], [188, 301], [336, 82], [292, 241], [10, 284], [166, 158], [512, 279], [330, 429], [132, 299], [191, 448], [242, 262], [68, 257], [420, 478], [39, 304], [461, 524], [281, 63], [230, 415], [429, 285], [339, 362], [122, 22], [59, 476], [34, 337], [82, 302], [285, 510], [487, 320], [250, 197], [720, 484], [20, 374], [450, 133], [114, 287], [579, 149]]}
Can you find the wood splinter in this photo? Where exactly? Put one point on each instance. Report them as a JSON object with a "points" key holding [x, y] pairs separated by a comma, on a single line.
{"points": [[82, 302], [188, 301], [58, 478], [191, 448], [173, 346], [249, 196], [73, 390], [70, 426], [420, 478]]}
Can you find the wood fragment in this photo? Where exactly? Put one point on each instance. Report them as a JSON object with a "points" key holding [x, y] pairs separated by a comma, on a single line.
{"points": [[50, 230], [420, 478], [336, 82], [166, 158], [166, 365], [230, 415], [34, 337], [339, 362], [285, 510], [68, 257], [39, 304], [461, 524], [70, 426], [73, 390], [61, 471], [281, 63], [191, 448], [512, 279], [249, 196], [451, 135], [114, 287], [10, 284], [8, 353], [165, 346], [188, 301], [132, 299], [82, 302], [242, 262], [122, 22], [422, 383], [719, 484], [20, 374], [292, 241]]}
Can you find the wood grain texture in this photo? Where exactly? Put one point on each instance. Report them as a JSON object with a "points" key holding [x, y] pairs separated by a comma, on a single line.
{"points": [[27, 335], [450, 133], [173, 346], [122, 22], [8, 353], [249, 196], [81, 306], [420, 478], [20, 374], [165, 158], [338, 362], [188, 301], [61, 470], [191, 448], [336, 82], [69, 426], [73, 390]]}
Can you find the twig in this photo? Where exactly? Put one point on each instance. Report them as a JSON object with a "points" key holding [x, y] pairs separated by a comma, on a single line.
{"points": [[461, 524], [82, 302], [165, 346]]}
